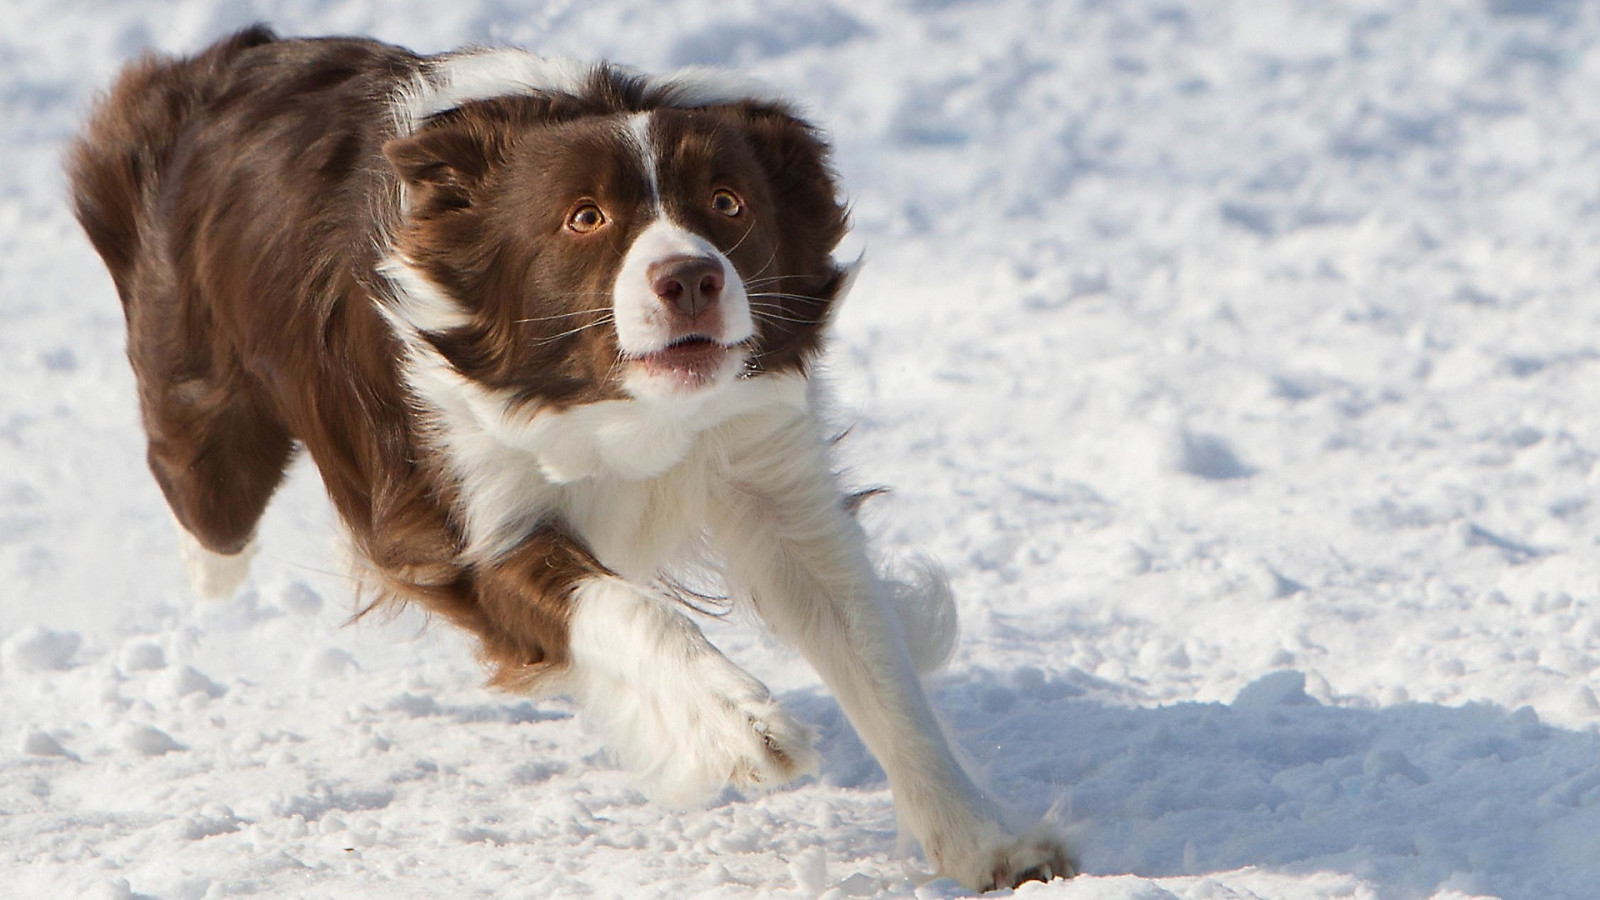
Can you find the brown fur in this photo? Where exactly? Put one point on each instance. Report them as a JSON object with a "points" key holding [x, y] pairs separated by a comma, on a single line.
{"points": [[240, 199]]}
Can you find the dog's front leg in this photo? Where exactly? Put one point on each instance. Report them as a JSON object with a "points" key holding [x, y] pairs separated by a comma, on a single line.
{"points": [[551, 617], [671, 705], [791, 544]]}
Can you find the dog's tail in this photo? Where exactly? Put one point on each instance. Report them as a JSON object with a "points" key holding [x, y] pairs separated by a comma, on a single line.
{"points": [[115, 165], [923, 602]]}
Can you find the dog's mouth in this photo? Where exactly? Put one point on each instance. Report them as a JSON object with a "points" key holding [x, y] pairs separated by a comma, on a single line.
{"points": [[690, 361]]}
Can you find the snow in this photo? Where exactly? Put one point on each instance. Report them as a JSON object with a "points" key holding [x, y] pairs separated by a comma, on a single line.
{"points": [[1238, 360]]}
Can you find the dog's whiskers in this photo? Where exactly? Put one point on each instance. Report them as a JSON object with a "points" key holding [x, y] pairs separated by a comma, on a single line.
{"points": [[741, 240], [774, 295], [572, 331], [770, 311], [565, 315], [754, 276]]}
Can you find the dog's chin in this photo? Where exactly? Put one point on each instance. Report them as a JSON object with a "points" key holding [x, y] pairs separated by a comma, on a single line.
{"points": [[686, 366]]}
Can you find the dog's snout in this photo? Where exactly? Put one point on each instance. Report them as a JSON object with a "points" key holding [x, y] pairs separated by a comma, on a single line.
{"points": [[687, 284]]}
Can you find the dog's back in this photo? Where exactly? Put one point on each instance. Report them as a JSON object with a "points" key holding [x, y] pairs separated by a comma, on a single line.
{"points": [[117, 165], [202, 182], [144, 130]]}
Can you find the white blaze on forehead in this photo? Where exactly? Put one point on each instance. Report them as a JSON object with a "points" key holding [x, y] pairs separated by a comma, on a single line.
{"points": [[639, 135]]}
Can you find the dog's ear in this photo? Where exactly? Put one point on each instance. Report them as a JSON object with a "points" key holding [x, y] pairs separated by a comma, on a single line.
{"points": [[442, 166], [805, 199], [799, 167], [445, 163]]}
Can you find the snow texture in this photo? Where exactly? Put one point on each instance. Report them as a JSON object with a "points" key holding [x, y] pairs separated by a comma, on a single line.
{"points": [[1241, 361]]}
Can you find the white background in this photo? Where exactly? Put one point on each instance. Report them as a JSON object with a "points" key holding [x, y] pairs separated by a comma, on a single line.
{"points": [[1239, 360]]}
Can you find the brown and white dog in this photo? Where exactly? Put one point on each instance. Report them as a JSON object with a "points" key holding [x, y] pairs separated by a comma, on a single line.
{"points": [[545, 330]]}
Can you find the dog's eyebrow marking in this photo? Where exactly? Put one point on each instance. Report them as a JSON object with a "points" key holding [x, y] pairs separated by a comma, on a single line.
{"points": [[639, 133]]}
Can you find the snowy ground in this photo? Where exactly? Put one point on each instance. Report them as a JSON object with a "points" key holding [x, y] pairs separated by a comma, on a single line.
{"points": [[1240, 359]]}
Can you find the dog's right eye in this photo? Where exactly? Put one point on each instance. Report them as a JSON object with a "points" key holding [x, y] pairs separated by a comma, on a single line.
{"points": [[586, 217]]}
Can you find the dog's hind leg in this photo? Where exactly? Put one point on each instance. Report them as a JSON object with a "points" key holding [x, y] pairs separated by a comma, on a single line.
{"points": [[218, 455]]}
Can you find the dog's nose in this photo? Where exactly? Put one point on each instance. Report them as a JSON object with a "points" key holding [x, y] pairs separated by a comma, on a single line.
{"points": [[688, 284]]}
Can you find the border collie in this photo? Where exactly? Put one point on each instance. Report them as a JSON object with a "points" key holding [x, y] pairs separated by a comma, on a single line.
{"points": [[545, 329]]}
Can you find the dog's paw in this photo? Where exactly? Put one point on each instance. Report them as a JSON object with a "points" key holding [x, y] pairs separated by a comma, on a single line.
{"points": [[773, 749], [214, 576], [719, 727], [749, 740], [674, 708], [1008, 861]]}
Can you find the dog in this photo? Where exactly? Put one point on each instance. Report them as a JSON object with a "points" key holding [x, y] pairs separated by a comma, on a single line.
{"points": [[545, 328]]}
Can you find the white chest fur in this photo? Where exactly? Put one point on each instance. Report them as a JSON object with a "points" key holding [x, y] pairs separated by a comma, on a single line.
{"points": [[609, 469], [516, 468]]}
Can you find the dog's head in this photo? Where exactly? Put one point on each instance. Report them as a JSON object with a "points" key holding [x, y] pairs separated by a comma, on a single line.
{"points": [[615, 241]]}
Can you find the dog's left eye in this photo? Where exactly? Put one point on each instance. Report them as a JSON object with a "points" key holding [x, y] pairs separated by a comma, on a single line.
{"points": [[586, 217], [727, 202]]}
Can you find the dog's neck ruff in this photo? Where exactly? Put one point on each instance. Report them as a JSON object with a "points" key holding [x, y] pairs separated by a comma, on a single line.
{"points": [[447, 82]]}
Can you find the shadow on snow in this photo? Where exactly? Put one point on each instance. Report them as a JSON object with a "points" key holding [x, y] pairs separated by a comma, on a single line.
{"points": [[1407, 797]]}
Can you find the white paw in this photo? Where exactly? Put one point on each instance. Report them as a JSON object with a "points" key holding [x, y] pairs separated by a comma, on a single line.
{"points": [[1006, 861], [674, 708], [730, 731], [773, 748], [212, 575]]}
